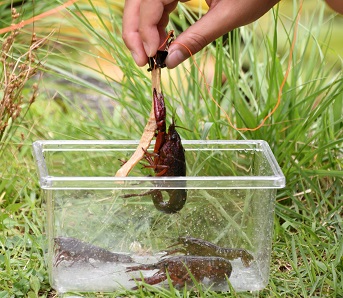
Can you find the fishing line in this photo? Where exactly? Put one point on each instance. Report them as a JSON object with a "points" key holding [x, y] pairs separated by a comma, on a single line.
{"points": [[208, 87]]}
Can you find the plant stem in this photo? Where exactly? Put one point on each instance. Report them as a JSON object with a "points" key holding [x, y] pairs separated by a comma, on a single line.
{"points": [[149, 130]]}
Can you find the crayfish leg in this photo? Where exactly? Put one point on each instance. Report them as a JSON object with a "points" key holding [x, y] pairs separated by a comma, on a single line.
{"points": [[163, 168], [153, 163], [152, 280], [181, 281], [246, 258], [60, 257], [149, 158], [160, 140], [156, 168], [122, 161], [174, 251], [57, 262]]}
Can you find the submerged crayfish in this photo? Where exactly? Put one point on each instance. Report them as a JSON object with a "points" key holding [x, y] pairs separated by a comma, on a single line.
{"points": [[181, 269], [74, 250], [200, 247]]}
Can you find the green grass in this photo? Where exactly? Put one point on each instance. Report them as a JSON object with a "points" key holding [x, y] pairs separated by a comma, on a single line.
{"points": [[305, 134]]}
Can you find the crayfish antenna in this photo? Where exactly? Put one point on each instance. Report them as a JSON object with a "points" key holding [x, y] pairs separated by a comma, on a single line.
{"points": [[174, 122]]}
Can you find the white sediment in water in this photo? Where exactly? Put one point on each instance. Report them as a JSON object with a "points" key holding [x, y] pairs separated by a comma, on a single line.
{"points": [[106, 276], [97, 276]]}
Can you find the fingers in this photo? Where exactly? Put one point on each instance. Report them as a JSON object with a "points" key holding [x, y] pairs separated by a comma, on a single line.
{"points": [[130, 32], [154, 17], [144, 23], [211, 26], [150, 15]]}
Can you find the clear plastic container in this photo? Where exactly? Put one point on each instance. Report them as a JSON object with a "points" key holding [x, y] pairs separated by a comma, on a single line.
{"points": [[101, 237]]}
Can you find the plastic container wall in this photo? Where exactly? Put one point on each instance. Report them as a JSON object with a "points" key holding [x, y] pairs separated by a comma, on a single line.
{"points": [[105, 232]]}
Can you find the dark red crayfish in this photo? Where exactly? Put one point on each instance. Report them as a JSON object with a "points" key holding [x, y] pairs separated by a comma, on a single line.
{"points": [[182, 268], [74, 250], [200, 247], [168, 159]]}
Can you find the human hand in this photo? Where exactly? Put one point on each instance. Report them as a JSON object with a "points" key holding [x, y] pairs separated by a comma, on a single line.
{"points": [[336, 5], [144, 23]]}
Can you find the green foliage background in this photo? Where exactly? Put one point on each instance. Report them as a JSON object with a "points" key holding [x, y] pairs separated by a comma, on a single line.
{"points": [[81, 97]]}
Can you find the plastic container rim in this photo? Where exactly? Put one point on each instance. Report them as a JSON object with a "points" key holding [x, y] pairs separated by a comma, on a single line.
{"points": [[277, 180]]}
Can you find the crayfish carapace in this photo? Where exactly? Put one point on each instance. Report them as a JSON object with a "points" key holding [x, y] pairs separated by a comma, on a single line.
{"points": [[202, 259], [74, 250], [168, 159], [181, 269], [199, 247]]}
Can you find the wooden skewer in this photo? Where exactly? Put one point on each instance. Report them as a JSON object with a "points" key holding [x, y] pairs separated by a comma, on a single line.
{"points": [[149, 130]]}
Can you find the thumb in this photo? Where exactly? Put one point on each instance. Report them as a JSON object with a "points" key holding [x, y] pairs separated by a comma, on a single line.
{"points": [[222, 17], [196, 37]]}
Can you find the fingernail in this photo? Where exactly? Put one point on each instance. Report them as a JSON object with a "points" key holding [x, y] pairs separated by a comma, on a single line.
{"points": [[135, 57], [175, 58], [147, 49]]}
